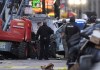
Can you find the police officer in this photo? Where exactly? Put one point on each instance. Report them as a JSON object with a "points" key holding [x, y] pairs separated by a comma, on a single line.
{"points": [[70, 30], [44, 32]]}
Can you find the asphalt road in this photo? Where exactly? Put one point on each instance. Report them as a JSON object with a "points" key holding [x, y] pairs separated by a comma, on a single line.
{"points": [[31, 64]]}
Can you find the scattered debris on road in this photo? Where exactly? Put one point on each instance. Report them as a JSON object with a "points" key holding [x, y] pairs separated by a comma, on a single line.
{"points": [[48, 67]]}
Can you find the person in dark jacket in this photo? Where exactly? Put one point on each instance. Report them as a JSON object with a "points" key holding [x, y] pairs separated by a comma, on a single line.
{"points": [[70, 30], [44, 32]]}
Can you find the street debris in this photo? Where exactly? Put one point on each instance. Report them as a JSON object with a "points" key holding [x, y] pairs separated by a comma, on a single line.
{"points": [[48, 67]]}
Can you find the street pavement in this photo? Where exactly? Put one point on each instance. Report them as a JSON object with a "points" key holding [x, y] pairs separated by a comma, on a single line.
{"points": [[31, 64]]}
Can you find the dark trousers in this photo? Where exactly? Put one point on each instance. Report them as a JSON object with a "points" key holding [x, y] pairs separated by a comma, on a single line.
{"points": [[44, 46]]}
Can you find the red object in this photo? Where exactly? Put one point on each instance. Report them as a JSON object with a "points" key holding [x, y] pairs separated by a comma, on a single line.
{"points": [[51, 2], [20, 30], [71, 14], [62, 6], [28, 30], [1, 24]]}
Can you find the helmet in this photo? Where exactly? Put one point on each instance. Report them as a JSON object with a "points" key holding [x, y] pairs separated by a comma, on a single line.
{"points": [[92, 19], [72, 19]]}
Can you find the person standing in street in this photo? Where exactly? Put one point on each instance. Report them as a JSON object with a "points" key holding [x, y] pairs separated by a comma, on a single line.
{"points": [[70, 30], [44, 32]]}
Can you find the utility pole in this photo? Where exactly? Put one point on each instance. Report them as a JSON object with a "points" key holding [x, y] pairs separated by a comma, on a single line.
{"points": [[80, 9], [65, 5], [57, 9], [43, 7]]}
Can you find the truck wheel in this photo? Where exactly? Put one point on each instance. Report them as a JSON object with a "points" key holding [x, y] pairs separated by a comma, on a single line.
{"points": [[14, 50], [22, 50]]}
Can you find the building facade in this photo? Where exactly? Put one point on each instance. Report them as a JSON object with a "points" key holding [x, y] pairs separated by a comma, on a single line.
{"points": [[94, 5], [90, 6]]}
